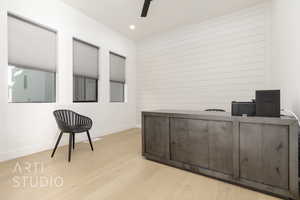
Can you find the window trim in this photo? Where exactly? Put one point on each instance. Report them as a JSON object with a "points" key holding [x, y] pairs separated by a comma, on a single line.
{"points": [[32, 22], [98, 70], [116, 54], [120, 82], [87, 43], [48, 28]]}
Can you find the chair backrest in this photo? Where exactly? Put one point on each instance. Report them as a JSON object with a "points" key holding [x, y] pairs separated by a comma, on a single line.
{"points": [[215, 110], [66, 118]]}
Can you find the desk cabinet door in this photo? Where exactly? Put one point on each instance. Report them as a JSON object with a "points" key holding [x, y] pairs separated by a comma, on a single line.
{"points": [[157, 136], [189, 141], [221, 146], [264, 154]]}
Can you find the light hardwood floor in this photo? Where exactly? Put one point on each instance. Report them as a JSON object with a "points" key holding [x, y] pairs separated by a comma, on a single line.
{"points": [[114, 171]]}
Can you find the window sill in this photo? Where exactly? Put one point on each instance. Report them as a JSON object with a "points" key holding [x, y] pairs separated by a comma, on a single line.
{"points": [[85, 102]]}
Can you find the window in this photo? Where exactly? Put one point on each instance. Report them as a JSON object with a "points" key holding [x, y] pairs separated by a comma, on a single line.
{"points": [[85, 89], [32, 62], [85, 78], [35, 86], [117, 78]]}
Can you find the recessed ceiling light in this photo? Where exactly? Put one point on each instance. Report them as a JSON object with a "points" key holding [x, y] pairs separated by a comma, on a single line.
{"points": [[132, 27]]}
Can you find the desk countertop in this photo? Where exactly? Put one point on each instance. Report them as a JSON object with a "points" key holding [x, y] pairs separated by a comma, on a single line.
{"points": [[219, 116]]}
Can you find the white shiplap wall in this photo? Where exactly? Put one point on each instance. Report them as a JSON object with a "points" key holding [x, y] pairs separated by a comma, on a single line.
{"points": [[206, 65]]}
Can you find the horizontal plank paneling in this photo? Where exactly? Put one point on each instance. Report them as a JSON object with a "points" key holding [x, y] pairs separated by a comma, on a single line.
{"points": [[205, 65]]}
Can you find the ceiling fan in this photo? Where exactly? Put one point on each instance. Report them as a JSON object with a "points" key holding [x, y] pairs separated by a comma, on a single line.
{"points": [[145, 8]]}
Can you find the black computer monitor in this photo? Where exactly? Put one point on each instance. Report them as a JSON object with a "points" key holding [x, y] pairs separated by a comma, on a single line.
{"points": [[268, 103]]}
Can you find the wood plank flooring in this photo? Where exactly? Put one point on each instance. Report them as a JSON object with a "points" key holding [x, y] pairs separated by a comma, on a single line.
{"points": [[114, 171]]}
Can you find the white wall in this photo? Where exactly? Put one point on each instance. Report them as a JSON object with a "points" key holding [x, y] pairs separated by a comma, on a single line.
{"points": [[206, 65], [28, 128], [286, 52], [194, 67]]}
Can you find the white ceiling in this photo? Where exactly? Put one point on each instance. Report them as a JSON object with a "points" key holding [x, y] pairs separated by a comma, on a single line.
{"points": [[162, 15]]}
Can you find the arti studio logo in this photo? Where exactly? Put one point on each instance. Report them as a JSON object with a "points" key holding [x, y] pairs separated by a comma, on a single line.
{"points": [[30, 174]]}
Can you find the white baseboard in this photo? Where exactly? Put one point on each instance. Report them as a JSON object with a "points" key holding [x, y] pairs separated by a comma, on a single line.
{"points": [[9, 155], [27, 150], [138, 126]]}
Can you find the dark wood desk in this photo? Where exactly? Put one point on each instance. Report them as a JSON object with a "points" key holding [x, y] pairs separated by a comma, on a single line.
{"points": [[256, 152]]}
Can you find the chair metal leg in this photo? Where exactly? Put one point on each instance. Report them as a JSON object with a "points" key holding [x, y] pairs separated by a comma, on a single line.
{"points": [[57, 142], [70, 145], [88, 134], [73, 140]]}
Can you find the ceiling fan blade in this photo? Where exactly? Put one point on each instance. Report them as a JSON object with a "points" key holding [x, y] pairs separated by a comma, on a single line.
{"points": [[145, 8]]}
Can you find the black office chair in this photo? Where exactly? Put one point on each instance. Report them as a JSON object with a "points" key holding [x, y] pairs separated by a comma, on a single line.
{"points": [[215, 110], [71, 122]]}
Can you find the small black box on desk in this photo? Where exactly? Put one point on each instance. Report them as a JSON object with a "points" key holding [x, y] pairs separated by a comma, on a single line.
{"points": [[268, 103], [243, 108]]}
